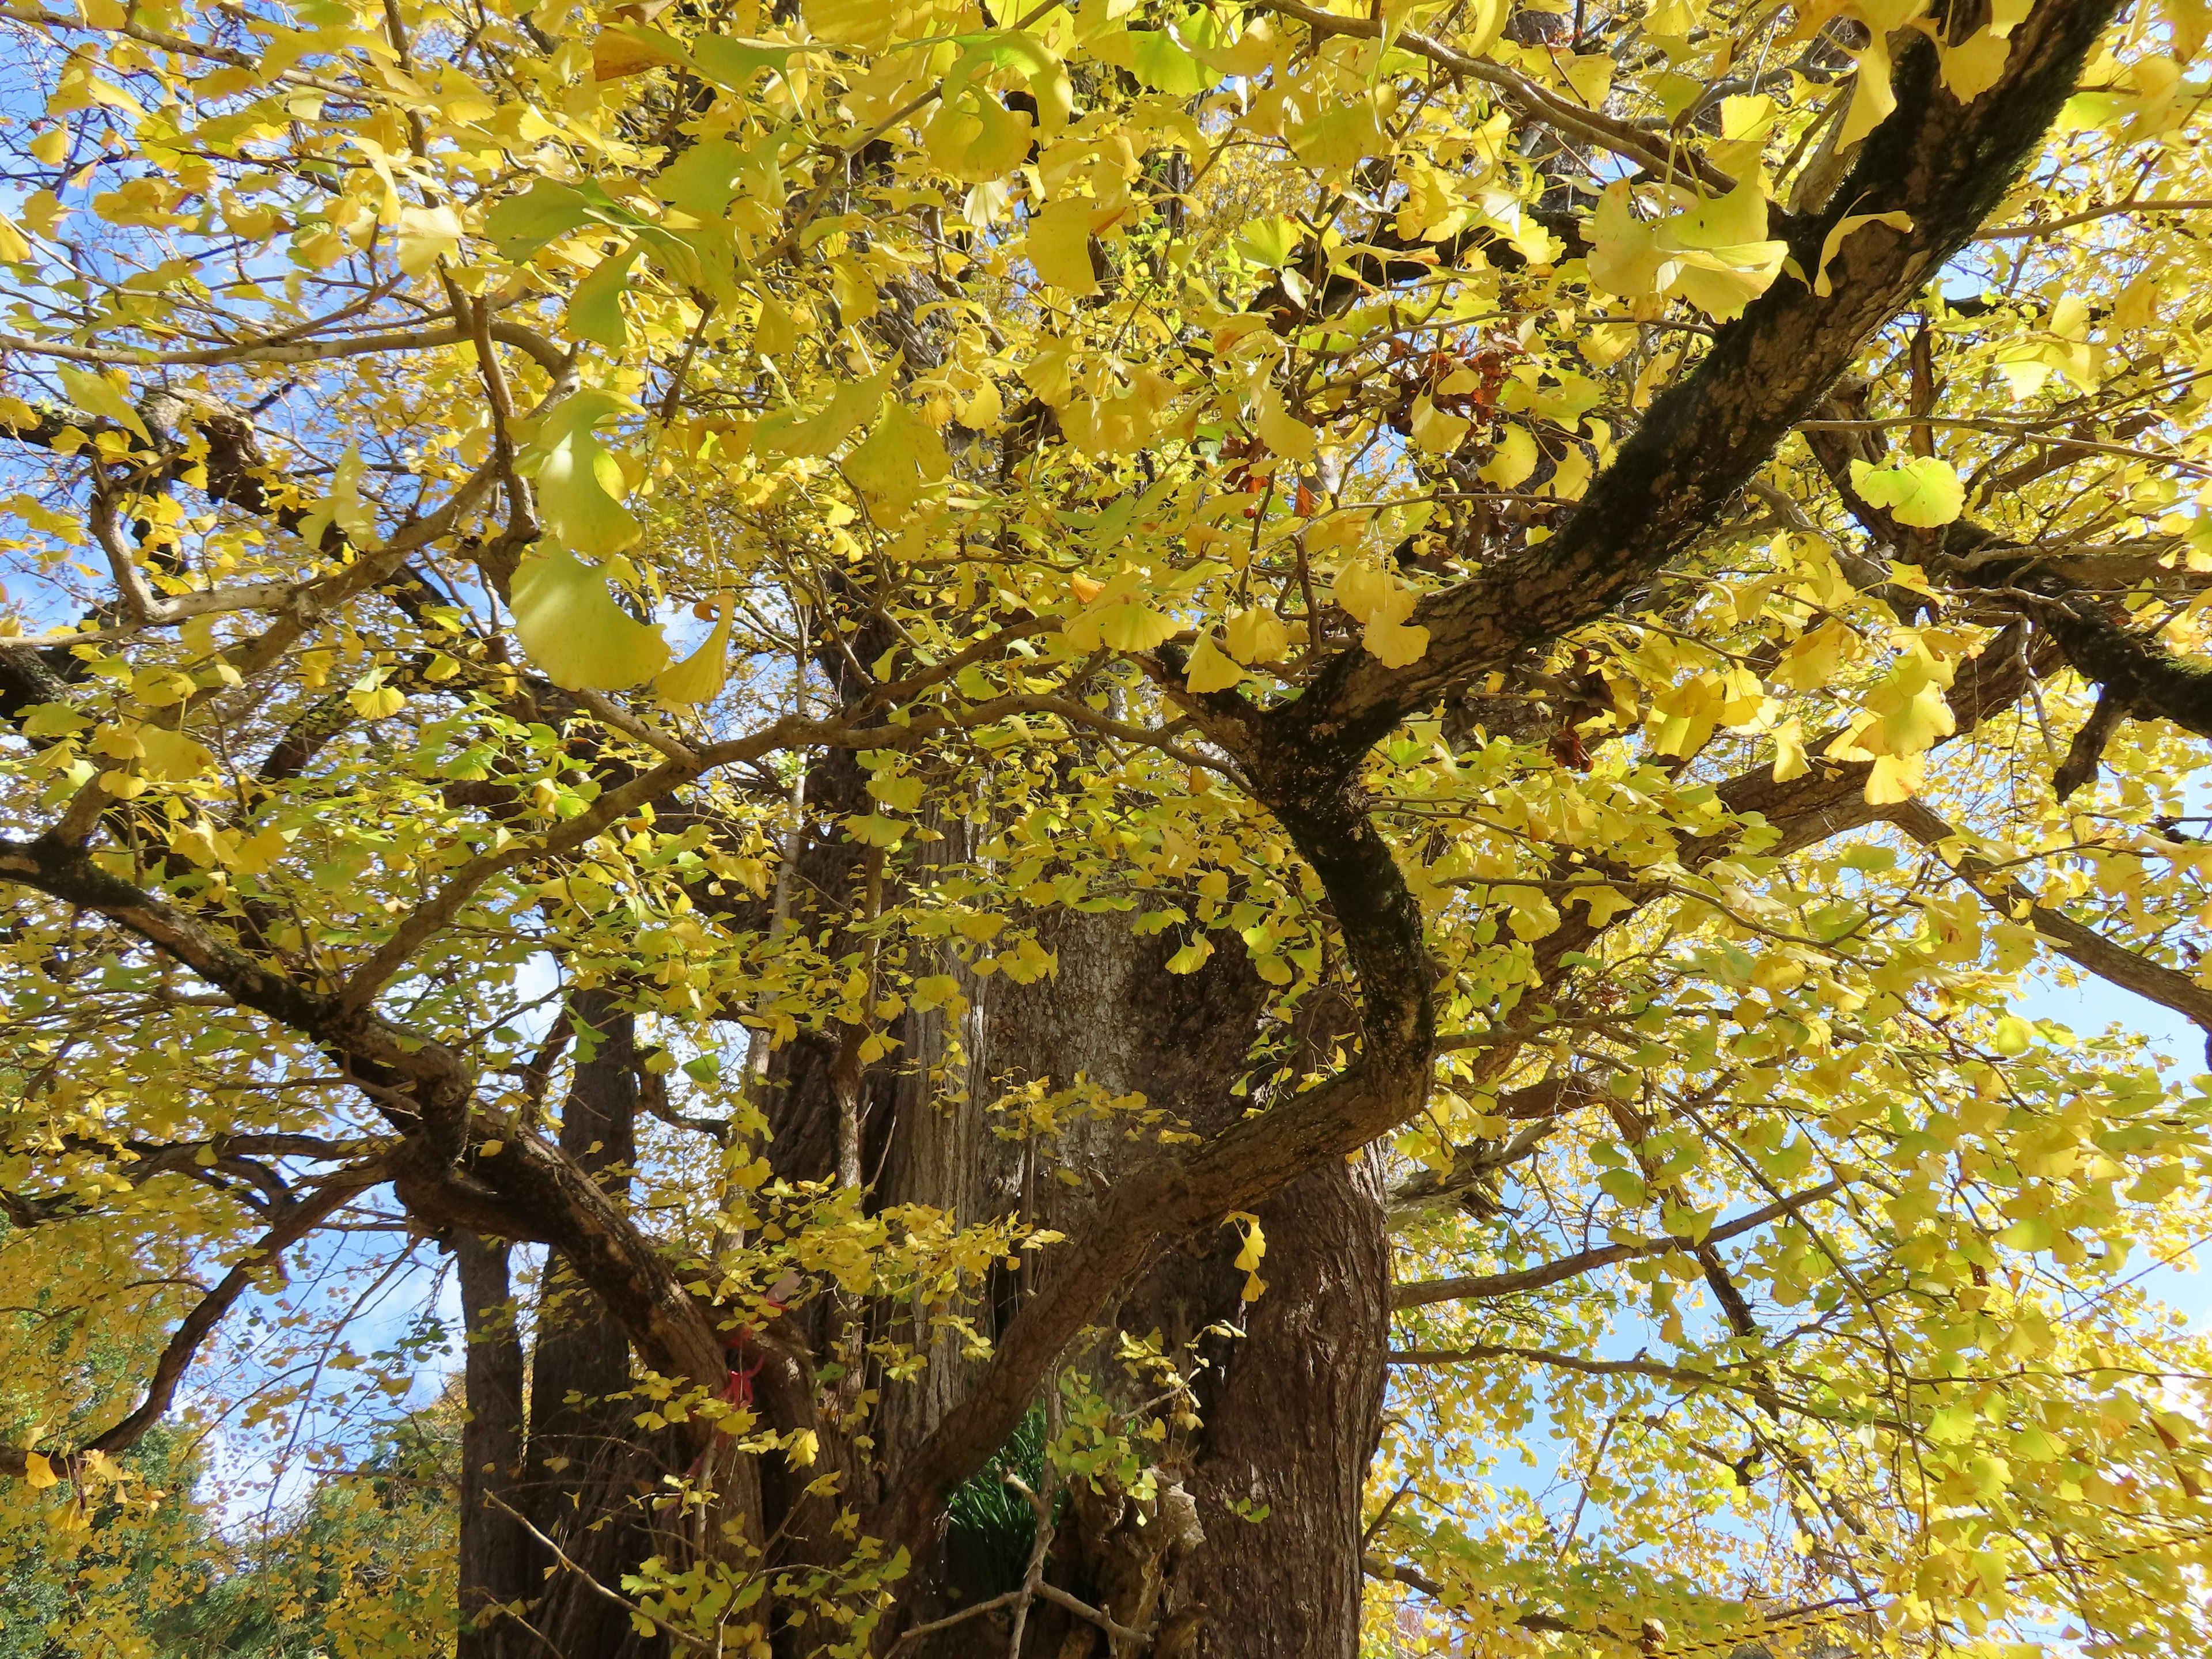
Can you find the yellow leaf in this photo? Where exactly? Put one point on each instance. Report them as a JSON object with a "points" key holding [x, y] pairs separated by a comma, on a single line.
{"points": [[901, 458], [51, 147], [1790, 760], [1397, 644], [1059, 245], [171, 754], [1894, 778], [38, 1471], [1625, 257], [1919, 491], [427, 235], [698, 677], [866, 24], [1975, 65], [571, 627], [579, 482], [1515, 460], [1193, 956], [1282, 431], [1131, 627], [1209, 669], [1436, 430], [99, 395], [1256, 635], [1872, 95], [1372, 594]]}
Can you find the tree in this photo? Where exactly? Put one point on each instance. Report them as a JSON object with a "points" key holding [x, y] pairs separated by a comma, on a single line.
{"points": [[1073, 793]]}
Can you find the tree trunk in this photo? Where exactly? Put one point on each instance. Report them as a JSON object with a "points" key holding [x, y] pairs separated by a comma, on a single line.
{"points": [[590, 1469], [494, 1565]]}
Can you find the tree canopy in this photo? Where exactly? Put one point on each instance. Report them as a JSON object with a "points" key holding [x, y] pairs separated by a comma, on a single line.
{"points": [[980, 753]]}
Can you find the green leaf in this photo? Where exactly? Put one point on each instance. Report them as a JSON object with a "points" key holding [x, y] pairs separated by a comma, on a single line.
{"points": [[1156, 60], [1919, 491], [569, 624], [98, 395], [580, 484], [595, 311]]}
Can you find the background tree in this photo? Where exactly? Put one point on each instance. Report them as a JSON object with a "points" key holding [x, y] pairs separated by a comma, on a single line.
{"points": [[1172, 762]]}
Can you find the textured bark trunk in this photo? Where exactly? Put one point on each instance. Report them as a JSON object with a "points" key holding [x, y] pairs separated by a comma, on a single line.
{"points": [[589, 1468], [1293, 1409], [495, 1565], [1292, 1426]]}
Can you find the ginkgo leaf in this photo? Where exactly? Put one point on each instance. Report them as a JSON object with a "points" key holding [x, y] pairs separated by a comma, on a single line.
{"points": [[38, 1471], [1157, 60], [1371, 594], [1283, 432], [1514, 460], [1210, 669], [1059, 245], [1920, 490], [1341, 135], [901, 458], [99, 395], [817, 432], [426, 236], [1256, 636], [1193, 956], [579, 482], [595, 312], [172, 755], [1873, 97], [698, 678], [1132, 627], [568, 622], [1625, 257], [1270, 242], [1397, 644], [1436, 430]]}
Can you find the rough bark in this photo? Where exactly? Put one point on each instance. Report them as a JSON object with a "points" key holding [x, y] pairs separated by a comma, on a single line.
{"points": [[494, 1563]]}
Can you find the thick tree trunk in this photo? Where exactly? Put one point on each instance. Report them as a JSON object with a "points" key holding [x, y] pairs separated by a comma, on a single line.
{"points": [[589, 1469], [494, 1565], [1293, 1409]]}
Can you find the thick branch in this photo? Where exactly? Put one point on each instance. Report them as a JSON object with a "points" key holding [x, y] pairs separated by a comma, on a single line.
{"points": [[1945, 165]]}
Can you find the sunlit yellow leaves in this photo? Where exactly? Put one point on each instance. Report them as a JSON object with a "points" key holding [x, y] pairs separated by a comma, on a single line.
{"points": [[698, 678], [172, 755], [579, 482], [1814, 659], [1435, 430], [1283, 432], [1250, 1255], [1210, 669], [1119, 619], [1920, 490], [900, 460], [1341, 135], [1514, 460], [38, 1471], [864, 23], [1382, 605], [1715, 252], [102, 396], [1843, 228], [977, 137], [1255, 635], [568, 622], [1059, 245], [426, 236]]}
